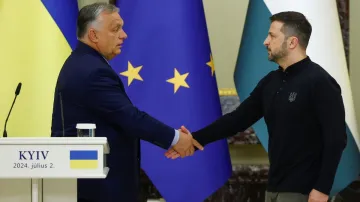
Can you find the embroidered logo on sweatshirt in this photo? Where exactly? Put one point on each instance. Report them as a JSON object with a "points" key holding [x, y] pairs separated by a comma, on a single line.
{"points": [[292, 96]]}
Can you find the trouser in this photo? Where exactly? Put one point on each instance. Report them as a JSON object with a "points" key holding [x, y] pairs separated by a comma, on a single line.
{"points": [[285, 197]]}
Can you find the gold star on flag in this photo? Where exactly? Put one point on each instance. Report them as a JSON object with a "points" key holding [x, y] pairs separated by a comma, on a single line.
{"points": [[178, 80], [211, 65], [132, 73]]}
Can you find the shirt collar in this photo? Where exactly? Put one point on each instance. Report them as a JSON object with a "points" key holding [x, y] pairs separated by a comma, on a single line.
{"points": [[296, 66]]}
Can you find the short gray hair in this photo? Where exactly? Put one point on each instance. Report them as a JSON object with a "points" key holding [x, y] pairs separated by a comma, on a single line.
{"points": [[90, 13]]}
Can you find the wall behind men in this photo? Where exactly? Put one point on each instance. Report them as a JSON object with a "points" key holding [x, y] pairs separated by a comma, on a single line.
{"points": [[354, 55], [225, 21]]}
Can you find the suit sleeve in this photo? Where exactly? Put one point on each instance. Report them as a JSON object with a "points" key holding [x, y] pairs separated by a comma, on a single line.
{"points": [[330, 112], [105, 97], [244, 116]]}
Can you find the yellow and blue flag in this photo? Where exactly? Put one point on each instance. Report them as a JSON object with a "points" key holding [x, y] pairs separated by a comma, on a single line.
{"points": [[38, 37], [167, 67], [83, 159], [64, 14], [253, 64]]}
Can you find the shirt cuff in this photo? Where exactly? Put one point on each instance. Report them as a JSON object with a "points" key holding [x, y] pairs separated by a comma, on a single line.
{"points": [[176, 138]]}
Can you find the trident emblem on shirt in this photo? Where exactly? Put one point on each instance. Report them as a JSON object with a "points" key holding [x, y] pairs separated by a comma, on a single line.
{"points": [[292, 96]]}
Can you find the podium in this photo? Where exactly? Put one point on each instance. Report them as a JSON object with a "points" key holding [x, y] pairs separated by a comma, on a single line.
{"points": [[46, 169]]}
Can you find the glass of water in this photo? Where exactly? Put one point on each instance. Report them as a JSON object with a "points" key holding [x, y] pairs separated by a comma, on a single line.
{"points": [[85, 129]]}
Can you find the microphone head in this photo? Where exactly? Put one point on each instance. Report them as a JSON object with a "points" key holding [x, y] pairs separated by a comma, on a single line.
{"points": [[18, 88]]}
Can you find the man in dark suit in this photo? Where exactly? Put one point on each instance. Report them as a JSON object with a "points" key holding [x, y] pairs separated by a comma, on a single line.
{"points": [[89, 91]]}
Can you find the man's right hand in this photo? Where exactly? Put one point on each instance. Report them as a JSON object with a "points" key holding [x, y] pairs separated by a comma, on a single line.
{"points": [[184, 146]]}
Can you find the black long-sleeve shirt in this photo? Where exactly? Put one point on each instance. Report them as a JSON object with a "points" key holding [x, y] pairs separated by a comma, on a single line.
{"points": [[305, 117]]}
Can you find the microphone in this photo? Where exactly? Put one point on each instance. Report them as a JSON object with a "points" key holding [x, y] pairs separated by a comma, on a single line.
{"points": [[17, 92], [62, 115]]}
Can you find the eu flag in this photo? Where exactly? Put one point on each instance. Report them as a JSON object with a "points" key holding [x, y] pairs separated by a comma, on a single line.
{"points": [[168, 70]]}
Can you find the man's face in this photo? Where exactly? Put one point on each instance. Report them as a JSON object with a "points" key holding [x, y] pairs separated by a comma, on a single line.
{"points": [[275, 42], [110, 34]]}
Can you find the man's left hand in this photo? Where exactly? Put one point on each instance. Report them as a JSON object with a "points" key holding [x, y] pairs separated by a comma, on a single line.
{"points": [[316, 196]]}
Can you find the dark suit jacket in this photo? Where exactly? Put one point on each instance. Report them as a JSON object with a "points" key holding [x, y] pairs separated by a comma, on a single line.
{"points": [[91, 92]]}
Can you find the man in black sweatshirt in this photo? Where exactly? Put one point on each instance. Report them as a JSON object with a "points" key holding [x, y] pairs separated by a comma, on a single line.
{"points": [[304, 112]]}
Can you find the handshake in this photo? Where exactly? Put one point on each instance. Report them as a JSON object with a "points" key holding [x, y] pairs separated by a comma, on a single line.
{"points": [[185, 145]]}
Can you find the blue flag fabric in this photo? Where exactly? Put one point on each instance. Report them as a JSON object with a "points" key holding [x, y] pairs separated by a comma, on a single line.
{"points": [[168, 71]]}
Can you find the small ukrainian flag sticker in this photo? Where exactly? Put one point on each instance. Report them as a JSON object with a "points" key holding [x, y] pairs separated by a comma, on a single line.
{"points": [[83, 159]]}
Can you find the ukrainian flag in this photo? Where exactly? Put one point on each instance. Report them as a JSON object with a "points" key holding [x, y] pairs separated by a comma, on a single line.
{"points": [[83, 159], [37, 36]]}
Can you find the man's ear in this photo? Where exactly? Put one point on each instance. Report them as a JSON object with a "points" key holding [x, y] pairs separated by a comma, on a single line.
{"points": [[93, 36], [294, 42]]}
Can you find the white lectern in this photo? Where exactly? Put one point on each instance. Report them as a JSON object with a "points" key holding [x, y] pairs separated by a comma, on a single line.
{"points": [[46, 169]]}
